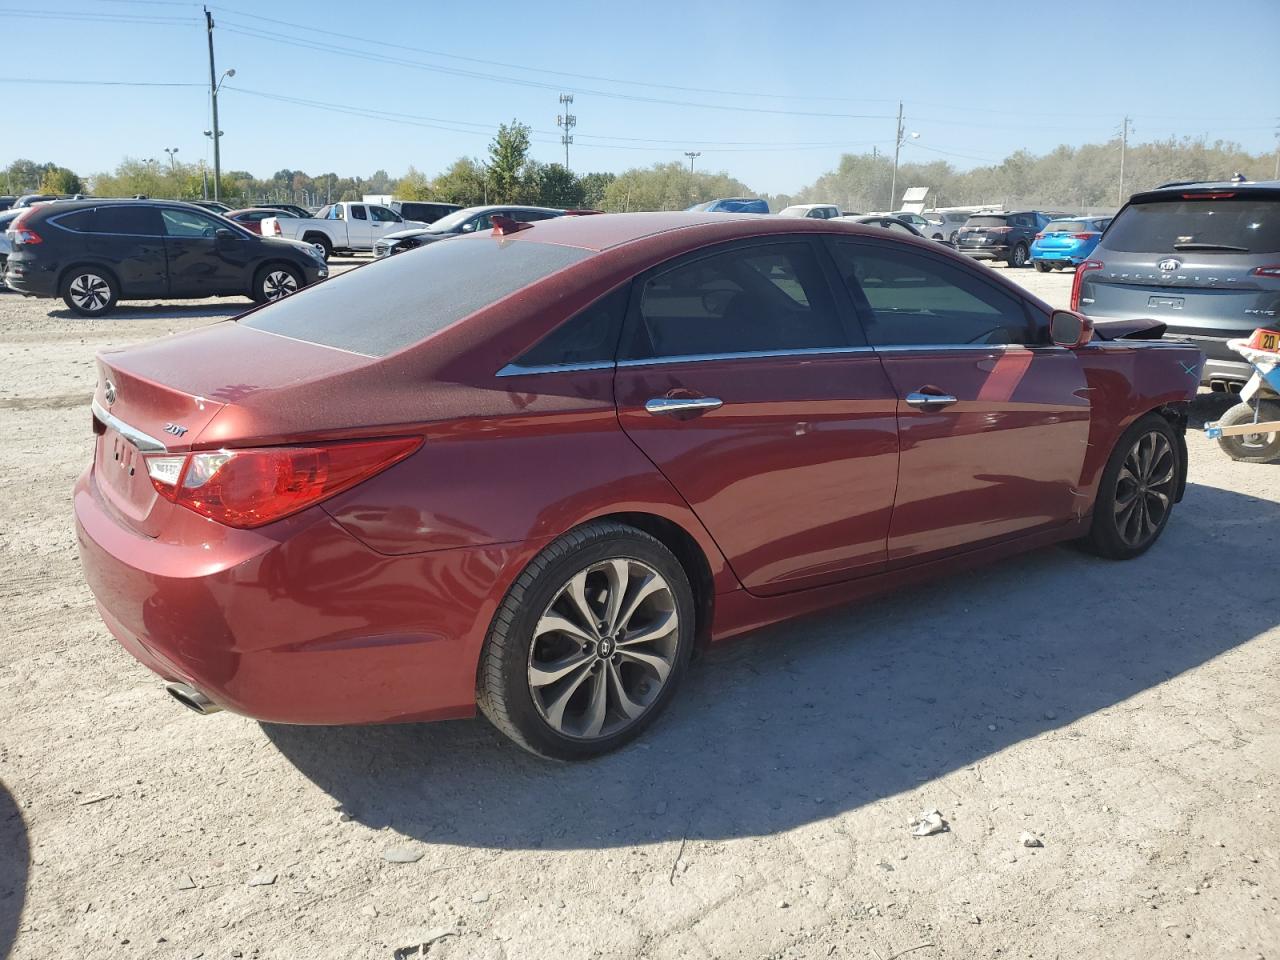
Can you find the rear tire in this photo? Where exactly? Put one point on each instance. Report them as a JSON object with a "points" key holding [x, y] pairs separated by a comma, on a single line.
{"points": [[90, 291], [1137, 490], [1251, 447], [276, 281], [556, 681], [1020, 256], [1042, 267]]}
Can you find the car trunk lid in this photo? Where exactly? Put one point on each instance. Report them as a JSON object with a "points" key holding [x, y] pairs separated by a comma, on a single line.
{"points": [[164, 398]]}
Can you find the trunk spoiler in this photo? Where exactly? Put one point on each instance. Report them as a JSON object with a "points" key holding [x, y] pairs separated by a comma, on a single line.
{"points": [[1137, 329]]}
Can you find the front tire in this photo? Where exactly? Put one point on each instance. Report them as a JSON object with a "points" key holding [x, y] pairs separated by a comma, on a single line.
{"points": [[1251, 447], [90, 292], [321, 243], [276, 281], [1137, 491], [589, 645]]}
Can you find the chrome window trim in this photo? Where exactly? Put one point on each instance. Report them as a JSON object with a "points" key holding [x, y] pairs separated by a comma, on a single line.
{"points": [[744, 355], [144, 442], [516, 370]]}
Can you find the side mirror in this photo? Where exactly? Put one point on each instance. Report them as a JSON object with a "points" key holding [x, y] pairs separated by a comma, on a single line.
{"points": [[226, 233], [1070, 329]]}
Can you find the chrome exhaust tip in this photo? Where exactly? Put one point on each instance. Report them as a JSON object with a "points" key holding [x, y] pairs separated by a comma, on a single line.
{"points": [[191, 698]]}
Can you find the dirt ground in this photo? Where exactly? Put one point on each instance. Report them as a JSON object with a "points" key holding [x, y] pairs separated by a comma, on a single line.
{"points": [[1124, 715]]}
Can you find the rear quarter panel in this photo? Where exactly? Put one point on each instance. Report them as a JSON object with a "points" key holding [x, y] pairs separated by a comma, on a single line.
{"points": [[1127, 379]]}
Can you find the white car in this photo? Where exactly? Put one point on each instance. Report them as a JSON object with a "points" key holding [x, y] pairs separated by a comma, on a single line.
{"points": [[933, 229], [340, 227], [951, 220], [814, 211]]}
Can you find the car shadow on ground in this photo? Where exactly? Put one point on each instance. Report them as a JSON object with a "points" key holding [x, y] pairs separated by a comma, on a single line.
{"points": [[14, 860], [224, 310], [804, 721]]}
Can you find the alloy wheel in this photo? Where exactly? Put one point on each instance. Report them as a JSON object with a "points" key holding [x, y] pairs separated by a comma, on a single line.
{"points": [[604, 649], [279, 283], [90, 292], [1145, 489]]}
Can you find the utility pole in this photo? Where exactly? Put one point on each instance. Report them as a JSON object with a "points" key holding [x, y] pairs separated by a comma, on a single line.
{"points": [[568, 121], [692, 155], [214, 84], [897, 147], [1277, 174], [1124, 147]]}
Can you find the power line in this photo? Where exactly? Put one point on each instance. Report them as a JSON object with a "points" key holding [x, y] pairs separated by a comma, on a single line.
{"points": [[96, 83]]}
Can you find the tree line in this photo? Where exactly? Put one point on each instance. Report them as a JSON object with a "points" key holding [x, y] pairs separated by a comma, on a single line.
{"points": [[1066, 178]]}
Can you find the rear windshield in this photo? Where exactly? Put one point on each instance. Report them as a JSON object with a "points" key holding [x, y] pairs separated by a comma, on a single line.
{"points": [[390, 304], [1069, 226], [986, 222], [1172, 226]]}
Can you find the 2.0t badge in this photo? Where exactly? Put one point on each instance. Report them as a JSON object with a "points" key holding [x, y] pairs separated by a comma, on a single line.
{"points": [[176, 429]]}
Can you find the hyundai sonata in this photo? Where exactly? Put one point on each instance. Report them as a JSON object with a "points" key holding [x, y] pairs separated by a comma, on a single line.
{"points": [[532, 470]]}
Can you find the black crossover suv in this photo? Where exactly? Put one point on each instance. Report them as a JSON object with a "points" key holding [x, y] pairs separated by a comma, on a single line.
{"points": [[93, 253], [1001, 236]]}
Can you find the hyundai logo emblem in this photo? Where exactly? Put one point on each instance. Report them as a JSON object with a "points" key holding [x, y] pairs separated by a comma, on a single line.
{"points": [[109, 391], [1168, 265]]}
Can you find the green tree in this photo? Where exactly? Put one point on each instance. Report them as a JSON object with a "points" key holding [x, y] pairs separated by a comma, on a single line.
{"points": [[556, 186], [669, 186], [60, 180], [594, 186], [413, 186], [508, 158], [464, 182]]}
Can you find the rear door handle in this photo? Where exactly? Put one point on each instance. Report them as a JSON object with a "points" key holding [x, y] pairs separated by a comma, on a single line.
{"points": [[927, 401], [666, 406]]}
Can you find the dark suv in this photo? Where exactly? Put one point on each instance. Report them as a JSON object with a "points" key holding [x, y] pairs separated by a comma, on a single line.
{"points": [[1001, 236], [1203, 258], [93, 253]]}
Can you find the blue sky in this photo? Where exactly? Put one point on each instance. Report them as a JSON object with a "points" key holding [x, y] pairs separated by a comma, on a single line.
{"points": [[773, 92]]}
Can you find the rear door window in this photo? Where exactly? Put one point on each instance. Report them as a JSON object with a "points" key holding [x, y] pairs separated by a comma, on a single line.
{"points": [[910, 299], [358, 213], [391, 304], [752, 298], [188, 223], [1174, 226], [132, 221], [81, 221]]}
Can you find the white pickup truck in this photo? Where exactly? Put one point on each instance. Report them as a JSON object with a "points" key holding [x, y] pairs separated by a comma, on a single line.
{"points": [[340, 227]]}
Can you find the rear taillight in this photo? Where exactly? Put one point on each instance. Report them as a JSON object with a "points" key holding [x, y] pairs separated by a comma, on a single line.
{"points": [[1039, 236], [1272, 270], [252, 487], [1083, 236], [21, 233], [1081, 270], [999, 229], [275, 228]]}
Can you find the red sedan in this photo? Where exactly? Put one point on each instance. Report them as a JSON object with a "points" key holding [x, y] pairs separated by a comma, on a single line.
{"points": [[251, 217], [531, 471]]}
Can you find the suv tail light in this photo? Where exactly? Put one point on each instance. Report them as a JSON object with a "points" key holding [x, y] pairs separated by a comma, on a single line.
{"points": [[999, 229], [21, 233], [1081, 270], [1083, 236], [252, 487], [1272, 270], [1039, 236]]}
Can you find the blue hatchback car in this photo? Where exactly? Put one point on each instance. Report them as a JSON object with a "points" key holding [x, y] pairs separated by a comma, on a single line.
{"points": [[1067, 242]]}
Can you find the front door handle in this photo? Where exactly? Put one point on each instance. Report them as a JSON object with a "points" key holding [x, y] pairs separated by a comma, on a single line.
{"points": [[929, 401], [666, 406]]}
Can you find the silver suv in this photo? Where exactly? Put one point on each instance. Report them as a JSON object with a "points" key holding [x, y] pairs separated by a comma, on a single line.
{"points": [[1203, 258]]}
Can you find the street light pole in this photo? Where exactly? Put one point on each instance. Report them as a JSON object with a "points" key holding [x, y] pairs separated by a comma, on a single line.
{"points": [[172, 152], [692, 155]]}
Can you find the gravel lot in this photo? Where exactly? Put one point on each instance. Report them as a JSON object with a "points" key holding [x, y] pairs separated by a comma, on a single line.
{"points": [[1123, 714]]}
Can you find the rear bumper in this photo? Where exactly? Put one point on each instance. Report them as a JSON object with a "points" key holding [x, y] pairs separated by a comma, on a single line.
{"points": [[986, 251], [29, 279], [1063, 257], [305, 626], [1236, 371]]}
